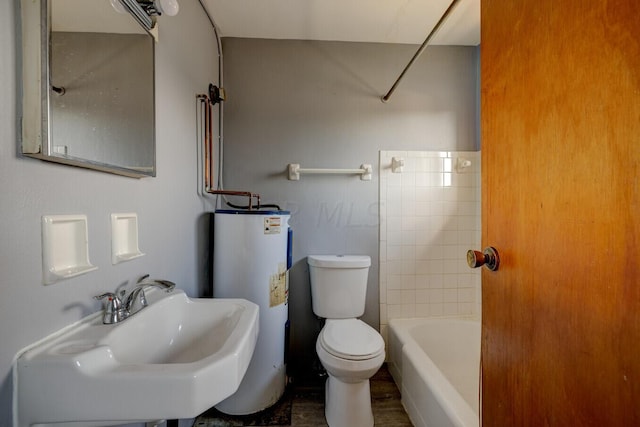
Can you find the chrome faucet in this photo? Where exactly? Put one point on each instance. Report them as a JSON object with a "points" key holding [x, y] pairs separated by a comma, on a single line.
{"points": [[119, 307]]}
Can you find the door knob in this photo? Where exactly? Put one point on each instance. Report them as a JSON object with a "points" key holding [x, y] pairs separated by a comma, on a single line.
{"points": [[489, 258]]}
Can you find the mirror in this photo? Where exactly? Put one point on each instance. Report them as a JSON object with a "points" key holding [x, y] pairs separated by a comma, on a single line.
{"points": [[88, 87]]}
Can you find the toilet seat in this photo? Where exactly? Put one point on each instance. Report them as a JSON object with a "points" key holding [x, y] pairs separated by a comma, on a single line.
{"points": [[351, 339]]}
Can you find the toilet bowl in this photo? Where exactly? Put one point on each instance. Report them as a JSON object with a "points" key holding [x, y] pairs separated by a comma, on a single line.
{"points": [[350, 350]]}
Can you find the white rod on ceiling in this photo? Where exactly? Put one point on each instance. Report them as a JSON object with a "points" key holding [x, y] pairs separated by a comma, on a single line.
{"points": [[365, 171], [421, 49]]}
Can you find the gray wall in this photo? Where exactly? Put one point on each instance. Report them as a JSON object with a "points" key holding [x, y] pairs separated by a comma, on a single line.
{"points": [[318, 104], [172, 219]]}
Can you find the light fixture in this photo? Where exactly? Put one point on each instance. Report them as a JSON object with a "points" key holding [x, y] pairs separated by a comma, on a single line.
{"points": [[167, 7], [146, 11], [117, 6]]}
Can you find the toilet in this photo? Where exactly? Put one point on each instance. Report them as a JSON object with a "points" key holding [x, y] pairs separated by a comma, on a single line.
{"points": [[350, 350]]}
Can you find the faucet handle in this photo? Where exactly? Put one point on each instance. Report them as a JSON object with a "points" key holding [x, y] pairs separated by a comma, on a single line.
{"points": [[113, 300], [136, 301], [112, 307]]}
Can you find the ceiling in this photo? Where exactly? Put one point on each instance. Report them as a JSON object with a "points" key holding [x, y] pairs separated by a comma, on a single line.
{"points": [[381, 21]]}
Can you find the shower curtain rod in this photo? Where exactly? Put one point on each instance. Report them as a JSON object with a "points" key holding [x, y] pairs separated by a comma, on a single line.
{"points": [[421, 49]]}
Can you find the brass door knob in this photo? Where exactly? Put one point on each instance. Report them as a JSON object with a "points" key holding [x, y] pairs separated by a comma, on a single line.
{"points": [[489, 258]]}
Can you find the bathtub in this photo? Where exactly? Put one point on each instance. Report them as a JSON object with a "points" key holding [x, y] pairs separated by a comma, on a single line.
{"points": [[436, 364]]}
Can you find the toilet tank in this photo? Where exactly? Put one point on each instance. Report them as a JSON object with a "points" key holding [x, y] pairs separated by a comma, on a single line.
{"points": [[338, 285]]}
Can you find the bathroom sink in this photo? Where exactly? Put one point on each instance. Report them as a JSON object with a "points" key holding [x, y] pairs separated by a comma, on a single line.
{"points": [[174, 359]]}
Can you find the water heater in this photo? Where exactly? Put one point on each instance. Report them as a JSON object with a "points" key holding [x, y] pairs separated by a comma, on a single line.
{"points": [[251, 256]]}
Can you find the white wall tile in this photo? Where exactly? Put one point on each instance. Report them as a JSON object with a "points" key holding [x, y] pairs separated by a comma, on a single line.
{"points": [[453, 252], [394, 238], [466, 295], [450, 281], [467, 280], [436, 310], [394, 311], [408, 267], [409, 252], [408, 281], [384, 331], [408, 310], [431, 216], [422, 281], [408, 223], [394, 223], [394, 209], [435, 266], [408, 237], [422, 310], [383, 315], [450, 309], [422, 296], [465, 309], [450, 295], [383, 272], [408, 296], [394, 281], [394, 296], [436, 296], [408, 178], [436, 281], [394, 252], [383, 253], [450, 266], [395, 179]]}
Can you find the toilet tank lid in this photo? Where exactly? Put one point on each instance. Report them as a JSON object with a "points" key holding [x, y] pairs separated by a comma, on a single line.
{"points": [[339, 261]]}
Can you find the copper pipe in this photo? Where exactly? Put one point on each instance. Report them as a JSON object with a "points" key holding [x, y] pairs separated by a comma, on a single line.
{"points": [[206, 144], [208, 161], [248, 194], [208, 147]]}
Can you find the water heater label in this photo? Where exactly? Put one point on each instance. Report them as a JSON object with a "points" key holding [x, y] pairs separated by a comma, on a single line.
{"points": [[272, 225], [278, 287]]}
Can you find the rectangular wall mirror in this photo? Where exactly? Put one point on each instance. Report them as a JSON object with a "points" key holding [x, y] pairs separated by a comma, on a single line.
{"points": [[88, 87]]}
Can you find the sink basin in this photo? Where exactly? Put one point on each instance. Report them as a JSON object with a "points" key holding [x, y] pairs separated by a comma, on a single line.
{"points": [[174, 359]]}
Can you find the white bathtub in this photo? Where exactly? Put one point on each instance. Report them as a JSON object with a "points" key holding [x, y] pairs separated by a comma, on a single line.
{"points": [[436, 364]]}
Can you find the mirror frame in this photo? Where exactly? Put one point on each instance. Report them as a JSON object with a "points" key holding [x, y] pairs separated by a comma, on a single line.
{"points": [[35, 139]]}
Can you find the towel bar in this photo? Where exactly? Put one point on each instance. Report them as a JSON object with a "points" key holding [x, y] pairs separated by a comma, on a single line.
{"points": [[365, 171]]}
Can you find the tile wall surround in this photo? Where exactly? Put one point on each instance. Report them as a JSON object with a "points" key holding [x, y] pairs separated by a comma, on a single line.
{"points": [[429, 218]]}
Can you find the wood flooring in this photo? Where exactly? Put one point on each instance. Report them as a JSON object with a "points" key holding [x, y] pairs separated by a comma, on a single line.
{"points": [[303, 406]]}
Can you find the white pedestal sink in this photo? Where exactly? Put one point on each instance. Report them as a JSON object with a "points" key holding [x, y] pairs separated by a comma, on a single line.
{"points": [[174, 359]]}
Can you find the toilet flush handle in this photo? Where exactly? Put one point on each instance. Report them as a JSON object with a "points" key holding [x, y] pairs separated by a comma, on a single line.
{"points": [[489, 258]]}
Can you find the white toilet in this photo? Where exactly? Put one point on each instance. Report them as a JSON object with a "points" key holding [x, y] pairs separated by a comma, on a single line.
{"points": [[350, 350]]}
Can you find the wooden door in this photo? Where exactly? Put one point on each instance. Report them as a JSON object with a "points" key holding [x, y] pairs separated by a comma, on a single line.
{"points": [[560, 118]]}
